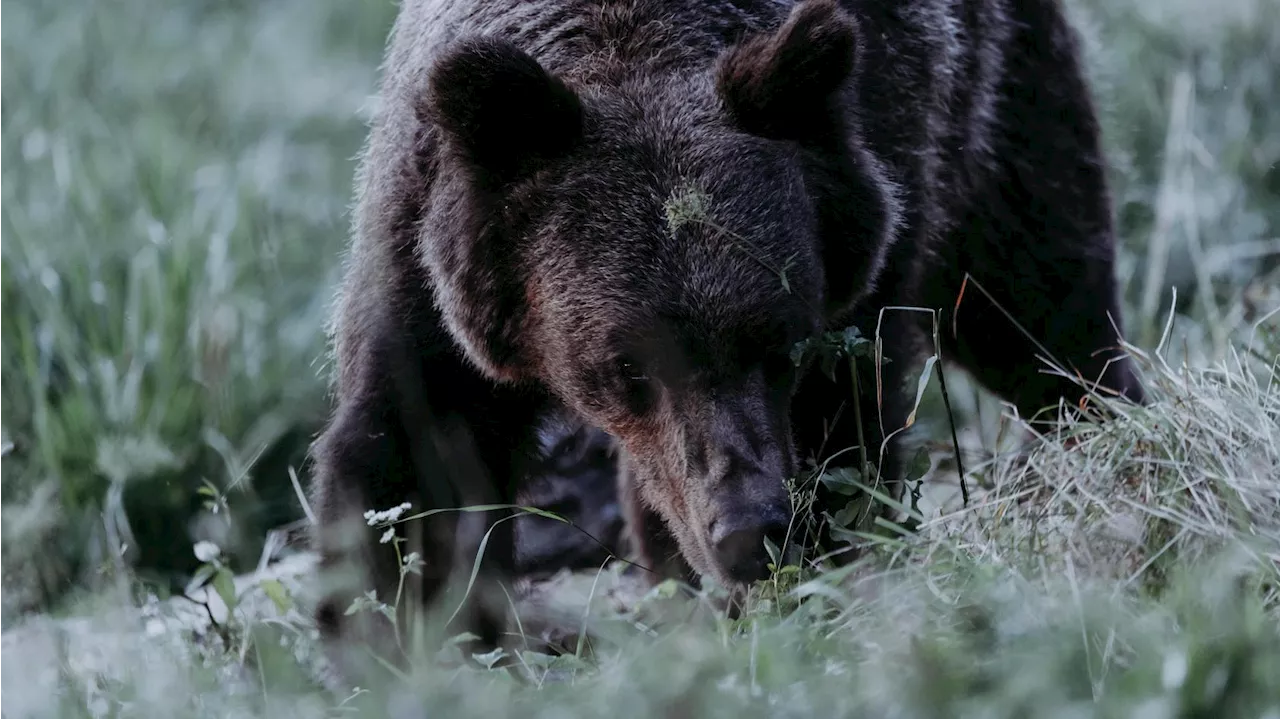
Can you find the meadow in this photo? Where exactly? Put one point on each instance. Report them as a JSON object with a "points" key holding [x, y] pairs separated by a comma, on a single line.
{"points": [[176, 186]]}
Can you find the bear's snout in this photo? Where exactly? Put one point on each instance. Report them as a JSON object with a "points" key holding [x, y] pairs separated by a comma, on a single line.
{"points": [[737, 539], [740, 459]]}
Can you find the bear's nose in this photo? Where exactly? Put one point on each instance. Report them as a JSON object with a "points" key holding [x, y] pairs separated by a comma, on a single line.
{"points": [[738, 540]]}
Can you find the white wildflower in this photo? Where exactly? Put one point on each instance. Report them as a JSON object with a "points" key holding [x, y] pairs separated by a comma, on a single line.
{"points": [[389, 515], [206, 551], [387, 536]]}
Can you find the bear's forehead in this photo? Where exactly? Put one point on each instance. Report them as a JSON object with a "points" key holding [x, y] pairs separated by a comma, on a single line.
{"points": [[650, 242], [682, 199], [678, 227], [699, 304], [680, 316], [693, 340], [711, 271]]}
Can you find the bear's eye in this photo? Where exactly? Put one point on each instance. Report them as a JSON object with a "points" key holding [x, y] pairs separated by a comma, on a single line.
{"points": [[638, 390], [631, 372]]}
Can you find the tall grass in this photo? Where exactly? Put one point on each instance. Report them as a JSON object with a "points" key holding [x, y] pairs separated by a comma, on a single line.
{"points": [[175, 185]]}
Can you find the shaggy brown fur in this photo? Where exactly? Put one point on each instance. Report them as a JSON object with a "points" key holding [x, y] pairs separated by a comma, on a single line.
{"points": [[515, 253]]}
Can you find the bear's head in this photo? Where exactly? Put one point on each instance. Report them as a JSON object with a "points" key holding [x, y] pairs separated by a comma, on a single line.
{"points": [[651, 251]]}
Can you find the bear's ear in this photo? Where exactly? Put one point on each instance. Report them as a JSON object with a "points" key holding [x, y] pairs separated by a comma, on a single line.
{"points": [[502, 109], [781, 85]]}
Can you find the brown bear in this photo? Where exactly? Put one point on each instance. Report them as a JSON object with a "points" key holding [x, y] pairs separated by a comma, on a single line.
{"points": [[629, 212]]}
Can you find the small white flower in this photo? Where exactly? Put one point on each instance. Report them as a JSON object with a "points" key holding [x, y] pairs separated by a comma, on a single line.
{"points": [[373, 518], [206, 551], [387, 536]]}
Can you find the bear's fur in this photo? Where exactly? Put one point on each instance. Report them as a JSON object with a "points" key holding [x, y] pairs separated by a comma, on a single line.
{"points": [[630, 212], [578, 481]]}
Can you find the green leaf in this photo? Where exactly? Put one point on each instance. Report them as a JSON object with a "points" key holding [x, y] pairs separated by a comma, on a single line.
{"points": [[277, 593], [919, 464], [838, 531], [848, 516], [667, 589], [800, 349], [488, 659], [842, 480], [853, 344], [772, 550], [224, 584], [201, 576], [460, 638]]}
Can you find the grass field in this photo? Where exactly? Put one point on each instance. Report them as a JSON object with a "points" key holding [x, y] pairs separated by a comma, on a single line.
{"points": [[176, 180]]}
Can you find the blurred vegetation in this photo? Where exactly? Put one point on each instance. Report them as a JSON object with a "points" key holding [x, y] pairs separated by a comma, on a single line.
{"points": [[175, 188], [1190, 99]]}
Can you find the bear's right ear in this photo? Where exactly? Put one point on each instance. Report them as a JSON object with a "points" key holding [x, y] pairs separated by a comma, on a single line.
{"points": [[782, 85], [503, 110]]}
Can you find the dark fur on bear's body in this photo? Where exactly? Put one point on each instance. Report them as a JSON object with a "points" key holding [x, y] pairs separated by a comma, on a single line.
{"points": [[578, 482], [512, 257]]}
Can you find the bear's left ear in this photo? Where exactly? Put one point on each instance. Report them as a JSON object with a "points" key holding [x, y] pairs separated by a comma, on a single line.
{"points": [[781, 85], [503, 110]]}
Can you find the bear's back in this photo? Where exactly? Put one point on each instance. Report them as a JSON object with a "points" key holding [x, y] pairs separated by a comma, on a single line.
{"points": [[581, 39]]}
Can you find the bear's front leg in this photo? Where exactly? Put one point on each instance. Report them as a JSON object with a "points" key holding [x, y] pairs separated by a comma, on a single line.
{"points": [[414, 425]]}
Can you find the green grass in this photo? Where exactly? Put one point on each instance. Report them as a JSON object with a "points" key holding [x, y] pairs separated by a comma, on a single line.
{"points": [[176, 180]]}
